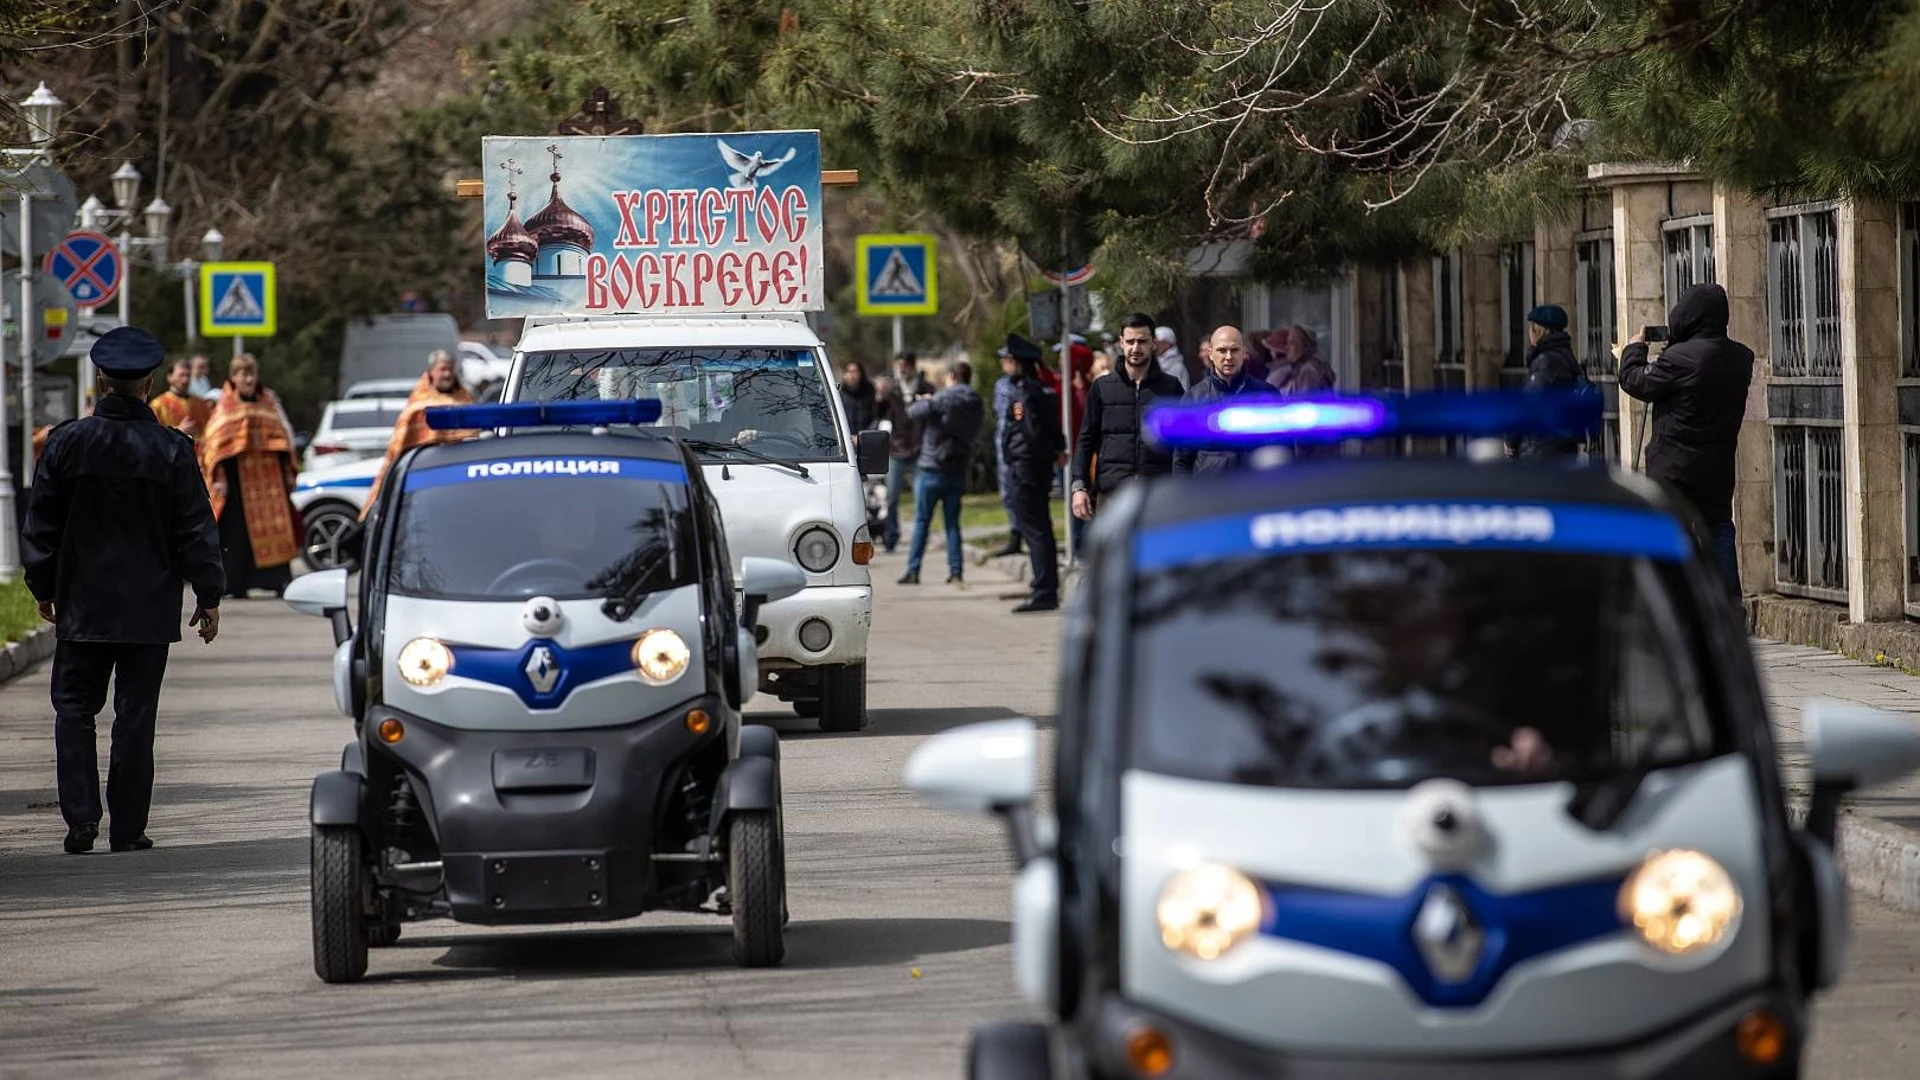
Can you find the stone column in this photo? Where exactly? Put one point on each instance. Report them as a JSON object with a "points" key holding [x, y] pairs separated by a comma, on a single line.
{"points": [[1370, 324], [1870, 440], [1416, 323], [1640, 289], [1481, 285], [1554, 264], [1740, 262]]}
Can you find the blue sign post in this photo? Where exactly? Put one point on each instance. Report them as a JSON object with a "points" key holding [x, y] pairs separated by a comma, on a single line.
{"points": [[897, 275], [89, 265]]}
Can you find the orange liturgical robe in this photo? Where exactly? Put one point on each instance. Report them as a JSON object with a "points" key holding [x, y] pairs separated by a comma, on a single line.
{"points": [[411, 429], [248, 445], [184, 411]]}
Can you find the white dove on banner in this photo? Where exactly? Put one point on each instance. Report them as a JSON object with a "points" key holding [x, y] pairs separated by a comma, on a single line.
{"points": [[749, 168]]}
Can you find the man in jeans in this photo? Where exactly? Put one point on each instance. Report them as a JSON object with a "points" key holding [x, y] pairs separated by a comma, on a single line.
{"points": [[1698, 389], [952, 420], [903, 437]]}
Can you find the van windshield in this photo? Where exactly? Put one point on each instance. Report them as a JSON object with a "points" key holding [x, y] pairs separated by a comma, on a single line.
{"points": [[771, 401], [1385, 668]]}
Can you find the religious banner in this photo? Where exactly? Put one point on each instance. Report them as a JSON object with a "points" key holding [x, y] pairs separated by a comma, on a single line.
{"points": [[653, 224]]}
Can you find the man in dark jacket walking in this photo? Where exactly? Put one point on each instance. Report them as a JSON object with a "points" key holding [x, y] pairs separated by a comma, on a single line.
{"points": [[1033, 443], [903, 437], [117, 519], [1111, 448], [1550, 366], [1698, 389], [1226, 378], [952, 420]]}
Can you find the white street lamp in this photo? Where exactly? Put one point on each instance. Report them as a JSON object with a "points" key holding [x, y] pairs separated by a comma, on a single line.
{"points": [[158, 213], [43, 116], [214, 244], [126, 185], [92, 211]]}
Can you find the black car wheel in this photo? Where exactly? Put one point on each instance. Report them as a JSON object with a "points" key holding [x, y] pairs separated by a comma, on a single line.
{"points": [[1010, 1051], [330, 528], [843, 697], [339, 895], [756, 887]]}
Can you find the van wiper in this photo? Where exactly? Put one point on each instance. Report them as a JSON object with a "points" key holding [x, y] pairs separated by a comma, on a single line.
{"points": [[1599, 804], [711, 447]]}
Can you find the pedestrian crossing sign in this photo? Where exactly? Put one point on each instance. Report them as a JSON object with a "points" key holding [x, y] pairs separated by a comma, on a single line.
{"points": [[237, 299], [897, 275]]}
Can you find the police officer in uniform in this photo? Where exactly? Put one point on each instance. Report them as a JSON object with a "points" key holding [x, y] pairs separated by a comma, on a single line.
{"points": [[1033, 444], [118, 518]]}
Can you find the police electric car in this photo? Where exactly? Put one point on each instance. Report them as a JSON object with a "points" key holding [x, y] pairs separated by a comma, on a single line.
{"points": [[1373, 768], [545, 684]]}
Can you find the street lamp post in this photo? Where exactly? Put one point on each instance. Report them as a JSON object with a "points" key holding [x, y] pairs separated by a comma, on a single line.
{"points": [[42, 110], [126, 192]]}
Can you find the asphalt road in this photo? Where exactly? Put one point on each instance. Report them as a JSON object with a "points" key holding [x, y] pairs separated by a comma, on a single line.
{"points": [[192, 960]]}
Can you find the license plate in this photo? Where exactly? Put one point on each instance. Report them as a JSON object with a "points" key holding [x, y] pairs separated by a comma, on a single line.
{"points": [[537, 769]]}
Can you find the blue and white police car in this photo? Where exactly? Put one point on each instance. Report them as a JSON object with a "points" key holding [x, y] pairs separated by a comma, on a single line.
{"points": [[329, 501], [545, 682], [1423, 768]]}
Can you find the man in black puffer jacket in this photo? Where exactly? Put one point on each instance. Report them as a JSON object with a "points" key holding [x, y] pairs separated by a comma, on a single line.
{"points": [[1227, 378], [1550, 366], [1698, 389], [1111, 448]]}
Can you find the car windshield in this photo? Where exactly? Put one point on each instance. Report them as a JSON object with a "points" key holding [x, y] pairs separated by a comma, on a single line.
{"points": [[774, 401], [568, 528], [1385, 668]]}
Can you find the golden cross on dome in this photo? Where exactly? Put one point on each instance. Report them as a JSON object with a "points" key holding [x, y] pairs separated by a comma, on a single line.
{"points": [[512, 169], [554, 149]]}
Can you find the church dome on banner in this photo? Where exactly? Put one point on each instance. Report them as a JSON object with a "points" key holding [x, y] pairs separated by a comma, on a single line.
{"points": [[563, 236], [512, 248]]}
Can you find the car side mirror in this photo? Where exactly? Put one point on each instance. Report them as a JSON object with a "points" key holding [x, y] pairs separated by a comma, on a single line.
{"points": [[988, 768], [763, 581], [323, 593], [872, 449], [1852, 747]]}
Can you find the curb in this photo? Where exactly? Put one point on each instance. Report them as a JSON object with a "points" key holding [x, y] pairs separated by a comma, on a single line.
{"points": [[24, 655], [1880, 861]]}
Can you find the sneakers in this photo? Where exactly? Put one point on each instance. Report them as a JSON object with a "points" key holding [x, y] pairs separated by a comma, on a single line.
{"points": [[909, 578], [138, 843], [1032, 605], [80, 839], [956, 579]]}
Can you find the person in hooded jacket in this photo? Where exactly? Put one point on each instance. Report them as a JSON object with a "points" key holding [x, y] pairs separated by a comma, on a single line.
{"points": [[1112, 448], [857, 391], [1698, 389], [1297, 367], [1550, 366], [1226, 378]]}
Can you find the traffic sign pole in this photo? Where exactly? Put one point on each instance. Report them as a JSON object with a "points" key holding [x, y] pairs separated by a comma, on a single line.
{"points": [[899, 335]]}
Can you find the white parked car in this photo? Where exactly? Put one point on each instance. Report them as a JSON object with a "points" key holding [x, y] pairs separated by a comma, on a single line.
{"points": [[351, 430], [756, 401], [381, 388], [328, 501]]}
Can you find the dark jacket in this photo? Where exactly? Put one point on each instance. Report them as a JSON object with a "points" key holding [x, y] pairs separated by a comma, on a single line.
{"points": [[1550, 366], [903, 435], [1310, 374], [1698, 389], [1208, 390], [118, 517], [860, 404], [1111, 429], [953, 418], [1030, 432]]}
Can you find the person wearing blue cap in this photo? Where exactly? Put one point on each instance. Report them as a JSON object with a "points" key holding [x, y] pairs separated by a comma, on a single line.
{"points": [[1550, 366], [117, 520]]}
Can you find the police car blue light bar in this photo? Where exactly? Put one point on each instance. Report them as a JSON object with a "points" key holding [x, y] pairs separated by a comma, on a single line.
{"points": [[520, 414], [1243, 424]]}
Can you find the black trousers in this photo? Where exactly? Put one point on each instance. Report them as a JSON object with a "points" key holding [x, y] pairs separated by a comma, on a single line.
{"points": [[81, 670], [1034, 520]]}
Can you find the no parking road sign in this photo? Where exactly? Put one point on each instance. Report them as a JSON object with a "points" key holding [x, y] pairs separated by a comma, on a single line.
{"points": [[88, 264], [897, 275], [237, 299]]}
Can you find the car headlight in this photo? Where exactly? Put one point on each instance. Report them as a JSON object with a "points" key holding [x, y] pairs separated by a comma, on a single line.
{"points": [[817, 549], [1207, 910], [660, 656], [424, 661], [1680, 901]]}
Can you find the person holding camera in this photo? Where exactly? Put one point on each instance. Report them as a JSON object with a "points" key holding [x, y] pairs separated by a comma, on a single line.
{"points": [[1698, 389]]}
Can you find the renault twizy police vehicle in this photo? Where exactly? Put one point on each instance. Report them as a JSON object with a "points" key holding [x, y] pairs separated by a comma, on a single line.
{"points": [[545, 684], [1425, 768]]}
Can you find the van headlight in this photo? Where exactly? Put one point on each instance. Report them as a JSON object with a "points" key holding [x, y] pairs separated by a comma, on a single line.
{"points": [[660, 656], [817, 549], [1207, 910], [424, 661], [1681, 902]]}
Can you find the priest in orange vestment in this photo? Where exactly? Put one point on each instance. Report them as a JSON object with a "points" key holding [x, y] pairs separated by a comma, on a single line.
{"points": [[439, 385], [247, 459], [178, 407]]}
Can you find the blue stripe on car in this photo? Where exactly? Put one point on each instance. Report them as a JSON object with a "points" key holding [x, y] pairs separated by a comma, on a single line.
{"points": [[567, 467], [1577, 528], [1518, 927], [322, 485], [508, 667]]}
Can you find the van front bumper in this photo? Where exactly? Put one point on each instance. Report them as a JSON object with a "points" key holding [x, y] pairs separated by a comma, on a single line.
{"points": [[847, 611], [1700, 1046]]}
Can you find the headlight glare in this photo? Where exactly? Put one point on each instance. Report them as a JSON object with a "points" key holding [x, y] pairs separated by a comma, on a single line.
{"points": [[1681, 902], [660, 656], [817, 549], [1207, 910], [424, 661]]}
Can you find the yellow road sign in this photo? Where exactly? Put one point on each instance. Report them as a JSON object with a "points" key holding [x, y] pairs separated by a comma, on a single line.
{"points": [[897, 275], [237, 299]]}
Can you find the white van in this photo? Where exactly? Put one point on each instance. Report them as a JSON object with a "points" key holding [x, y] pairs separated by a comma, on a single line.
{"points": [[758, 401]]}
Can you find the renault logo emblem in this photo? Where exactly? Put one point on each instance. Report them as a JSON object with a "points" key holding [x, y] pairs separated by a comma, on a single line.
{"points": [[543, 671], [1448, 936]]}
